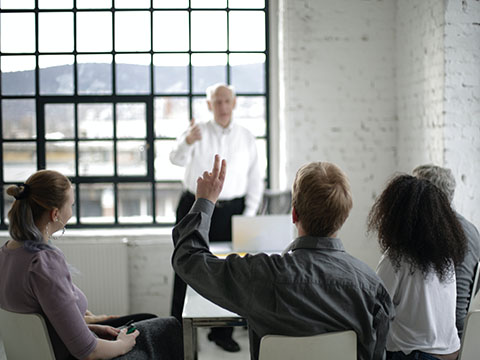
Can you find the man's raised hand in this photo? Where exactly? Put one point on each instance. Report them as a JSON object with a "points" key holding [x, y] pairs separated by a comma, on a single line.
{"points": [[210, 184], [194, 133]]}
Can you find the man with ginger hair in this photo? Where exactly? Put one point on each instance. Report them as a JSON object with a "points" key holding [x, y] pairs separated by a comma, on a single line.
{"points": [[314, 287]]}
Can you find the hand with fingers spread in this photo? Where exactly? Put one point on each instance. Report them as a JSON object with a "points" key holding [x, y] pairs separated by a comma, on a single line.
{"points": [[194, 133], [210, 184]]}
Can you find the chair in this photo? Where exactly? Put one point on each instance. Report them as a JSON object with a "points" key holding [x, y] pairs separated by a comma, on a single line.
{"points": [[336, 345], [25, 336], [470, 349]]}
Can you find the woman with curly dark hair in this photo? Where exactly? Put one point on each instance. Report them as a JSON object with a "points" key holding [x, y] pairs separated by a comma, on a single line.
{"points": [[422, 241]]}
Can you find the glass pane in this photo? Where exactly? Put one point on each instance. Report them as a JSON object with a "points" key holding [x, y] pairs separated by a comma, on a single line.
{"points": [[94, 4], [246, 4], [55, 4], [132, 158], [95, 158], [17, 4], [171, 116], [94, 31], [171, 73], [60, 156], [200, 109], [132, 31], [94, 74], [248, 72], [251, 37], [19, 161], [170, 4], [262, 156], [55, 32], [56, 74], [95, 121], [164, 169], [18, 119], [17, 33], [209, 3], [59, 121], [131, 120], [133, 74], [208, 69], [97, 202], [18, 75], [170, 29], [250, 112], [167, 196], [209, 30], [132, 4], [7, 202], [135, 203]]}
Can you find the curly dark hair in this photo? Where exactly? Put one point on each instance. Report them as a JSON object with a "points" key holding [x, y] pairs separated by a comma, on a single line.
{"points": [[416, 224]]}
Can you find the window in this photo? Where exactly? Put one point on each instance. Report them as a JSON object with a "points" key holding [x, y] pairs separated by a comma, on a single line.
{"points": [[100, 89]]}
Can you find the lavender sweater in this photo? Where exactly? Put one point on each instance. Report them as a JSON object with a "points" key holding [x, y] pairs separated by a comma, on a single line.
{"points": [[40, 283]]}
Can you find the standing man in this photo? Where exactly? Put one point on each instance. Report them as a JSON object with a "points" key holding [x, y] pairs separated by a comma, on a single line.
{"points": [[243, 188], [465, 271]]}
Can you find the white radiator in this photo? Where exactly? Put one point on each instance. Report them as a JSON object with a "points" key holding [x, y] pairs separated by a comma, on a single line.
{"points": [[102, 272]]}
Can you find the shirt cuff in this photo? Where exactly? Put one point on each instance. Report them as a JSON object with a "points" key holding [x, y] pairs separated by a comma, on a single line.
{"points": [[203, 205]]}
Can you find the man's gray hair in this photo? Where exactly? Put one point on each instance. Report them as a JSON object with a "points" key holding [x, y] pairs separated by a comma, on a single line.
{"points": [[213, 88], [441, 177]]}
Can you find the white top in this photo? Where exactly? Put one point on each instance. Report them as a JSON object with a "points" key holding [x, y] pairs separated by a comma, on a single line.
{"points": [[425, 310], [235, 144]]}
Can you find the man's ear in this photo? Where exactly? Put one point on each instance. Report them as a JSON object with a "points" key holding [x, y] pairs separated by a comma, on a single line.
{"points": [[234, 102], [209, 104], [294, 216]]}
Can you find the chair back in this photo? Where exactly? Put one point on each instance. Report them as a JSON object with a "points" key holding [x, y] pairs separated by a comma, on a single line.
{"points": [[470, 349], [336, 345], [25, 336]]}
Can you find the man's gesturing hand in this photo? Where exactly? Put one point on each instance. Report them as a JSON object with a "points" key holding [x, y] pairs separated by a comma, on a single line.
{"points": [[210, 184]]}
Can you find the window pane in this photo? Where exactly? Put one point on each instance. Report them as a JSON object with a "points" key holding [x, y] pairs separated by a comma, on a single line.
{"points": [[17, 32], [209, 3], [209, 30], [18, 119], [18, 75], [94, 31], [95, 121], [171, 73], [133, 74], [164, 169], [94, 4], [251, 37], [59, 121], [55, 4], [208, 69], [131, 120], [55, 32], [250, 112], [262, 156], [95, 158], [132, 4], [170, 4], [170, 29], [200, 109], [60, 156], [56, 74], [248, 72], [17, 4], [7, 202], [246, 4], [132, 158], [19, 160], [132, 31], [97, 203], [171, 116], [167, 196], [94, 74], [135, 203]]}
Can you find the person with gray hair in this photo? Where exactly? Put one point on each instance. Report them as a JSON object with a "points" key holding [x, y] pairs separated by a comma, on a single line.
{"points": [[465, 272]]}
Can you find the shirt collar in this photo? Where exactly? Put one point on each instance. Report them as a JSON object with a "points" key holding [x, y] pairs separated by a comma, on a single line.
{"points": [[315, 243], [220, 129]]}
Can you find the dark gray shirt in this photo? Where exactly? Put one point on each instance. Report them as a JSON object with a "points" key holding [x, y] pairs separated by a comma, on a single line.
{"points": [[315, 288], [465, 271]]}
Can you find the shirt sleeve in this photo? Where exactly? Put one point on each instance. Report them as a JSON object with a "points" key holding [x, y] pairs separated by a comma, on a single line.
{"points": [[222, 281], [181, 152], [254, 193], [51, 284]]}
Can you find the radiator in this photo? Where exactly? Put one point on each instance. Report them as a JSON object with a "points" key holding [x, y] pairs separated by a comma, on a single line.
{"points": [[100, 270]]}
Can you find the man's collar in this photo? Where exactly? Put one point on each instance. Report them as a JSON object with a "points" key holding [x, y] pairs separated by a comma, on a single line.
{"points": [[219, 128], [315, 243]]}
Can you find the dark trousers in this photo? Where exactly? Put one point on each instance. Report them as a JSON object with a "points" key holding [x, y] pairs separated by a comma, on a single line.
{"points": [[414, 355], [220, 230]]}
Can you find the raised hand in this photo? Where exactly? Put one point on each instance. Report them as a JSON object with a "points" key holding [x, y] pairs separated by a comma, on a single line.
{"points": [[210, 184], [194, 133]]}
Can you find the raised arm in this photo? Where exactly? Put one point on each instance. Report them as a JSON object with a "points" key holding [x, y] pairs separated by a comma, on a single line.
{"points": [[181, 152]]}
